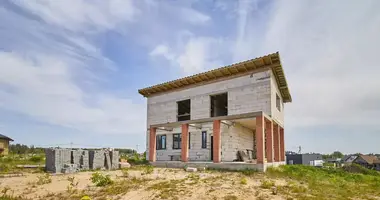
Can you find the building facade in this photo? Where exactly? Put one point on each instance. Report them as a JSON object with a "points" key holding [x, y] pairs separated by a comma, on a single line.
{"points": [[220, 116], [4, 145]]}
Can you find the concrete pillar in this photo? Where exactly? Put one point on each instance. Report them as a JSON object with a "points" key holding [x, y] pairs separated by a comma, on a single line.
{"points": [[185, 143], [276, 141], [260, 139], [216, 141], [282, 144], [152, 145], [269, 144]]}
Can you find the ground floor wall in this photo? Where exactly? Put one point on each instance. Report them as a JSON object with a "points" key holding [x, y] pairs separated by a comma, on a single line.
{"points": [[234, 138]]}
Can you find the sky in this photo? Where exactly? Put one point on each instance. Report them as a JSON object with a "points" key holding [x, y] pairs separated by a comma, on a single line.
{"points": [[70, 70]]}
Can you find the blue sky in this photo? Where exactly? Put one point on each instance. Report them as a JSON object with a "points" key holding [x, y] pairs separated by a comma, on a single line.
{"points": [[70, 70]]}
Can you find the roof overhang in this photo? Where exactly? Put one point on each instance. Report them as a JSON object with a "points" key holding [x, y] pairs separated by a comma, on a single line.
{"points": [[271, 61]]}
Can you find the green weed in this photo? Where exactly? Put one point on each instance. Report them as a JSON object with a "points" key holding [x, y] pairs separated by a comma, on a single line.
{"points": [[100, 179]]}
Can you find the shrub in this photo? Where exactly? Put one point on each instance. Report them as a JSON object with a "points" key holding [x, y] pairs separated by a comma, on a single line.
{"points": [[266, 184], [125, 172], [243, 181], [72, 184], [100, 179], [148, 169], [36, 159], [43, 179]]}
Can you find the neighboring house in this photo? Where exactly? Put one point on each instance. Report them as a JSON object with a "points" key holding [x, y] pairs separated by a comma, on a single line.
{"points": [[220, 115], [4, 144], [366, 161], [377, 164], [349, 159], [303, 159]]}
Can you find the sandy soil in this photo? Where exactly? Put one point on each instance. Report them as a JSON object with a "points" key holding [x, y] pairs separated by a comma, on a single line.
{"points": [[199, 185]]}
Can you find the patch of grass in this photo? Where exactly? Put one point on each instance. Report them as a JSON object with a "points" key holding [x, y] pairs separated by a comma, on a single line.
{"points": [[124, 186], [194, 178], [148, 169], [43, 179], [169, 189], [249, 172], [243, 181], [328, 183], [267, 184], [230, 197], [125, 172], [71, 188], [100, 179]]}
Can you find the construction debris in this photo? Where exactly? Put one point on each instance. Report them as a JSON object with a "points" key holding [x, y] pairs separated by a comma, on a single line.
{"points": [[74, 160]]}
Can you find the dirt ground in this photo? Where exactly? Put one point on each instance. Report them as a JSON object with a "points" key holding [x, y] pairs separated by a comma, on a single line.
{"points": [[138, 185]]}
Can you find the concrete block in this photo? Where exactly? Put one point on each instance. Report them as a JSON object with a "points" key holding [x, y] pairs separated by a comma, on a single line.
{"points": [[191, 169]]}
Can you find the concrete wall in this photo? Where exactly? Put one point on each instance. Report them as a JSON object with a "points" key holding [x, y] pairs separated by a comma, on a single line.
{"points": [[246, 94], [196, 152], [249, 93], [275, 113], [4, 144], [235, 138]]}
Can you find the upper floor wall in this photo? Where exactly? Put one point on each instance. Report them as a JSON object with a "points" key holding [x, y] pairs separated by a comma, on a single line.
{"points": [[247, 93]]}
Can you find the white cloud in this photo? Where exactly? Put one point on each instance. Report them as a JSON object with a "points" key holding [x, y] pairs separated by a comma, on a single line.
{"points": [[330, 59], [80, 15], [44, 66], [196, 55], [193, 16], [42, 87]]}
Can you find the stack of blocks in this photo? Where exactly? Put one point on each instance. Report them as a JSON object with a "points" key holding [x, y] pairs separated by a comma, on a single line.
{"points": [[70, 161]]}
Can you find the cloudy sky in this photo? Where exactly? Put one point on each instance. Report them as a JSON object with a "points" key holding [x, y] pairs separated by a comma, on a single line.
{"points": [[70, 70]]}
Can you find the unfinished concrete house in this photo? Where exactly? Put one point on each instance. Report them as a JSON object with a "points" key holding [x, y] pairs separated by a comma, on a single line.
{"points": [[231, 117]]}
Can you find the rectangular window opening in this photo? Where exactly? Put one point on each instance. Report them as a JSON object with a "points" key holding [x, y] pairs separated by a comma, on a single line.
{"points": [[278, 102], [177, 141], [204, 140], [160, 142], [219, 105], [183, 110], [189, 140]]}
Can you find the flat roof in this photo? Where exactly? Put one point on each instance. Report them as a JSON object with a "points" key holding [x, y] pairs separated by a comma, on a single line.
{"points": [[270, 61]]}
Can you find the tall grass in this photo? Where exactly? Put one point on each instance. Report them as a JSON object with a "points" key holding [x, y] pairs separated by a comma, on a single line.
{"points": [[327, 183]]}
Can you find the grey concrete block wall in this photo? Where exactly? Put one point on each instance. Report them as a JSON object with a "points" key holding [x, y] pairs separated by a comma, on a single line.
{"points": [[114, 159], [275, 113], [97, 159], [65, 160], [248, 93]]}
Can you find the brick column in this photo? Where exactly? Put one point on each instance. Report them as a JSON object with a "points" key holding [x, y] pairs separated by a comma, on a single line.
{"points": [[282, 144], [216, 141], [276, 141], [269, 136], [185, 143], [260, 139], [152, 145]]}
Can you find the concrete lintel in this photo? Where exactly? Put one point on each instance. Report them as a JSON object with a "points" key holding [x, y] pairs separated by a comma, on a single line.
{"points": [[211, 119], [198, 126]]}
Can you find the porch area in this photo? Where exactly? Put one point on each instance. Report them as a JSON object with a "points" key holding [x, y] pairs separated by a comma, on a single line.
{"points": [[267, 148]]}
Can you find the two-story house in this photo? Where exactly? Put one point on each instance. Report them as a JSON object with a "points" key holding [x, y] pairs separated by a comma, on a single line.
{"points": [[230, 117]]}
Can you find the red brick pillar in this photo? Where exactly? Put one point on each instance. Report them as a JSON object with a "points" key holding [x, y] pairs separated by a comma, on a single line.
{"points": [[269, 136], [216, 141], [282, 144], [152, 145], [185, 143], [260, 139], [276, 141]]}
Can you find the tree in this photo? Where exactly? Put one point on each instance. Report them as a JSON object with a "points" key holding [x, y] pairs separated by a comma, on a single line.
{"points": [[337, 154]]}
